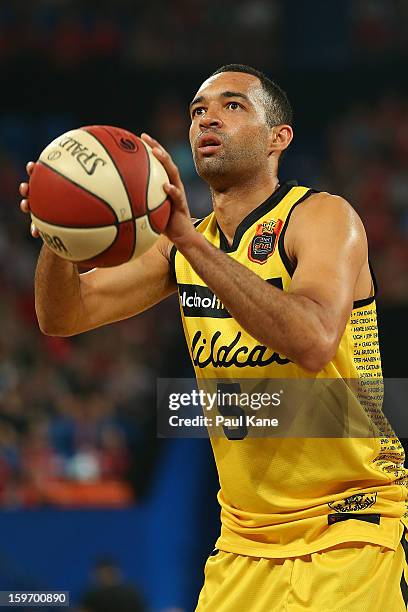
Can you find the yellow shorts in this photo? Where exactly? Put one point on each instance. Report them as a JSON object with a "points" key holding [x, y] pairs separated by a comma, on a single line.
{"points": [[350, 577]]}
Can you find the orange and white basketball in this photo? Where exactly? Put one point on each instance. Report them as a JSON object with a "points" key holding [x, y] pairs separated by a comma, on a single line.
{"points": [[97, 198]]}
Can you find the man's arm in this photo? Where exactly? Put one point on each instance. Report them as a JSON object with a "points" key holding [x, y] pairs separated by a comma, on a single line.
{"points": [[307, 322], [68, 303], [327, 242]]}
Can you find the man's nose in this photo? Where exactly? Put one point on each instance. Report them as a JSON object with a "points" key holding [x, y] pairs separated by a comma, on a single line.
{"points": [[210, 120]]}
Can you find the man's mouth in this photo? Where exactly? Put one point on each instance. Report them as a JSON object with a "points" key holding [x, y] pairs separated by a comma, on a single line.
{"points": [[208, 144]]}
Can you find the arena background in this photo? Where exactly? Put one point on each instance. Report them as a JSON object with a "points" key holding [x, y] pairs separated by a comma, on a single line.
{"points": [[82, 474]]}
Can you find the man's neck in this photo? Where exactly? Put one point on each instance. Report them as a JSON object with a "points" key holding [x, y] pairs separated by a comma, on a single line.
{"points": [[234, 204]]}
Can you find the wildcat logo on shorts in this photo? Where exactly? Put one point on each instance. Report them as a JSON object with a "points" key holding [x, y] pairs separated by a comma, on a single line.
{"points": [[359, 501], [264, 242]]}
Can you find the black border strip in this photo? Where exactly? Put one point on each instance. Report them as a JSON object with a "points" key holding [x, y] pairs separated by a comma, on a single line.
{"points": [[172, 262], [290, 268], [404, 588], [266, 206], [403, 582], [346, 516], [173, 252], [371, 298], [404, 544]]}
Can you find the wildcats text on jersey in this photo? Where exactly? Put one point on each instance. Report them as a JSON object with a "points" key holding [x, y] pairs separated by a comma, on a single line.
{"points": [[217, 353]]}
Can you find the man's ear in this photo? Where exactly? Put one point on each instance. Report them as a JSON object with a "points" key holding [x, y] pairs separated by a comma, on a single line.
{"points": [[280, 138]]}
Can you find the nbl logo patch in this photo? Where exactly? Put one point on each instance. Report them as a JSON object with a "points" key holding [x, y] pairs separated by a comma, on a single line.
{"points": [[264, 242]]}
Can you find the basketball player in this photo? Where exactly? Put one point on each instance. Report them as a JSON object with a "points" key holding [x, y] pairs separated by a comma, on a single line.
{"points": [[307, 523]]}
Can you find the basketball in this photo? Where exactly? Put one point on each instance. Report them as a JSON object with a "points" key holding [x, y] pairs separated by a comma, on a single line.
{"points": [[97, 198]]}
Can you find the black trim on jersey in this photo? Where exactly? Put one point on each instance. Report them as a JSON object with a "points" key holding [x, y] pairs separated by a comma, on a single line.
{"points": [[290, 268], [173, 251], [275, 282], [254, 215], [404, 588], [405, 544], [172, 261], [345, 516], [369, 300], [403, 582]]}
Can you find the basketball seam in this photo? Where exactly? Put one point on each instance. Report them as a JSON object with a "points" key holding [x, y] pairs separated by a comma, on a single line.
{"points": [[107, 249], [147, 191], [85, 261], [117, 169], [146, 194], [81, 187], [70, 180], [75, 227], [152, 211], [148, 177]]}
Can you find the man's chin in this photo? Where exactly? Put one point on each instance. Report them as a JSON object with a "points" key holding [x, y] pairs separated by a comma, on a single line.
{"points": [[210, 166]]}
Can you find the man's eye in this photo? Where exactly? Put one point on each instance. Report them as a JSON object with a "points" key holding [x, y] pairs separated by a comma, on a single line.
{"points": [[233, 105], [197, 111]]}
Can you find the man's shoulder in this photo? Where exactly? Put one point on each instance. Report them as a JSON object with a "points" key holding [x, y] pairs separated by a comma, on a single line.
{"points": [[325, 206], [325, 199], [324, 218]]}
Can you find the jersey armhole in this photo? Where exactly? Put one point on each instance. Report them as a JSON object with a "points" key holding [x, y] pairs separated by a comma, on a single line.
{"points": [[290, 268], [172, 261], [374, 287], [173, 252]]}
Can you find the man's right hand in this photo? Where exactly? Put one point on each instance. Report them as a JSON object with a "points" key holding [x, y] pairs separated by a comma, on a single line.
{"points": [[24, 204]]}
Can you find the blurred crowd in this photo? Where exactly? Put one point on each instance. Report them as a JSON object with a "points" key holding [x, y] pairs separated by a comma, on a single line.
{"points": [[69, 32], [379, 27], [77, 415], [368, 164]]}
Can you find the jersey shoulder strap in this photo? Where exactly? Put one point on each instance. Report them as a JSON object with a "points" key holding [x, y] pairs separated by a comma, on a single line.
{"points": [[173, 251]]}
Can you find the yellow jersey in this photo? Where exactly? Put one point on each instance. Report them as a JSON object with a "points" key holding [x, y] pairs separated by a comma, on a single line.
{"points": [[290, 496]]}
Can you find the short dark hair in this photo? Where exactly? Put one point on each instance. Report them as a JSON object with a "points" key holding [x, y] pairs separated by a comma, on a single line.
{"points": [[278, 108]]}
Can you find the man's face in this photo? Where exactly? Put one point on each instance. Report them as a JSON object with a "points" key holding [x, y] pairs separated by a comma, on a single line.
{"points": [[228, 134]]}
